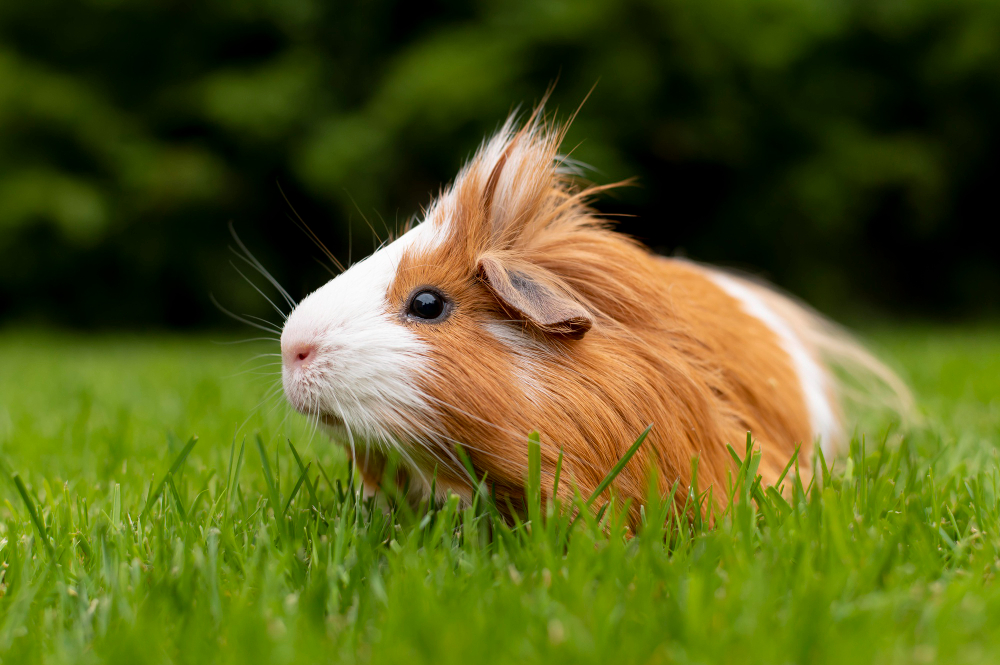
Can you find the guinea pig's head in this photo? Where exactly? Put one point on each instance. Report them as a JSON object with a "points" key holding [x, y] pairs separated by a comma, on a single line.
{"points": [[444, 335]]}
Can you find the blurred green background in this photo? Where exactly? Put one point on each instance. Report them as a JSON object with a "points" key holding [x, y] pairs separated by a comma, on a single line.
{"points": [[846, 149]]}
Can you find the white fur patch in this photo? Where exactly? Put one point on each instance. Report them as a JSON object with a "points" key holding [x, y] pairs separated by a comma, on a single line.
{"points": [[528, 355], [812, 377], [366, 360]]}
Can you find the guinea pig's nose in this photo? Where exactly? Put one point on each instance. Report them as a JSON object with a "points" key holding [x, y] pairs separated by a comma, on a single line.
{"points": [[298, 354]]}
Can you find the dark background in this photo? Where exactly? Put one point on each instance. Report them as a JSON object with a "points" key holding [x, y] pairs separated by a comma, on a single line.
{"points": [[846, 149]]}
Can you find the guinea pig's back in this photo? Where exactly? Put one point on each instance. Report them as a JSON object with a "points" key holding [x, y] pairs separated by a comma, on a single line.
{"points": [[764, 375]]}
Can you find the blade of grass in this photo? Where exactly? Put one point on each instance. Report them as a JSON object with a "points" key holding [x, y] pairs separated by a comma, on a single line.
{"points": [[533, 483], [230, 478], [608, 479], [303, 478], [490, 499], [116, 506], [177, 498], [555, 481], [202, 493], [23, 491], [788, 466], [302, 467], [322, 472], [272, 490], [173, 468]]}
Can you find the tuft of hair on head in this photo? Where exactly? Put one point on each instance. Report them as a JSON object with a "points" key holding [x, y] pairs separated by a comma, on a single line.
{"points": [[519, 212], [511, 187]]}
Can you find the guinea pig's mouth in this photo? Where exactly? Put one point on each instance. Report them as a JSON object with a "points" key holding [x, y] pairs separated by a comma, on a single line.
{"points": [[307, 405]]}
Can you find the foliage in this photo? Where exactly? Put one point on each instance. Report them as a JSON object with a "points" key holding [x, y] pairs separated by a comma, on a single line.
{"points": [[122, 544], [835, 144]]}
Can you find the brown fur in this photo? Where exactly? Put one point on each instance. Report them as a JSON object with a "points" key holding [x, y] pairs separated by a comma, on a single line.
{"points": [[563, 326]]}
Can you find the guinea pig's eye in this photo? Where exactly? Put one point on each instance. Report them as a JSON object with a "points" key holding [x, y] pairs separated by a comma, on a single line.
{"points": [[427, 304]]}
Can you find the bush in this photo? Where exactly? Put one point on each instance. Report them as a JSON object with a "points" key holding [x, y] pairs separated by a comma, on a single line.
{"points": [[844, 147]]}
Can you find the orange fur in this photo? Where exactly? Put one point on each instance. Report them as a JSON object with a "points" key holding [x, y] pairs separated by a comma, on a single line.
{"points": [[608, 339]]}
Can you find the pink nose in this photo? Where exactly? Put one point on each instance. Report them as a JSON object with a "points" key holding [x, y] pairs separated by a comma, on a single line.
{"points": [[298, 354]]}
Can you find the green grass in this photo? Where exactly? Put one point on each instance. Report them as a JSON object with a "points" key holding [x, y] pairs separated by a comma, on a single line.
{"points": [[893, 559]]}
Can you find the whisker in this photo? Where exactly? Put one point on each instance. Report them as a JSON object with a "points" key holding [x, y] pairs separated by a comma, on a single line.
{"points": [[260, 376], [440, 462], [271, 394], [236, 317], [256, 370], [265, 321], [246, 341], [388, 231], [457, 465], [309, 232], [281, 425], [275, 406], [325, 267], [469, 446], [252, 260], [314, 421], [277, 309], [259, 356], [358, 208], [350, 434]]}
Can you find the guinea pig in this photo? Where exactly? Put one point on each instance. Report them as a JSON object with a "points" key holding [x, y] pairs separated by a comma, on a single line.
{"points": [[511, 307]]}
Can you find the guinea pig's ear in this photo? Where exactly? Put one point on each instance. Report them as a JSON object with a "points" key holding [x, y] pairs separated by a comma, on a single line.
{"points": [[530, 292]]}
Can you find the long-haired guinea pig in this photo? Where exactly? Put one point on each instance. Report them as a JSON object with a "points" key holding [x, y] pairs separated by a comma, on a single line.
{"points": [[510, 307]]}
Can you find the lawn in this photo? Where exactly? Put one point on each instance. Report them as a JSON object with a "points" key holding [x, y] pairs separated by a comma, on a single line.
{"points": [[158, 550]]}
